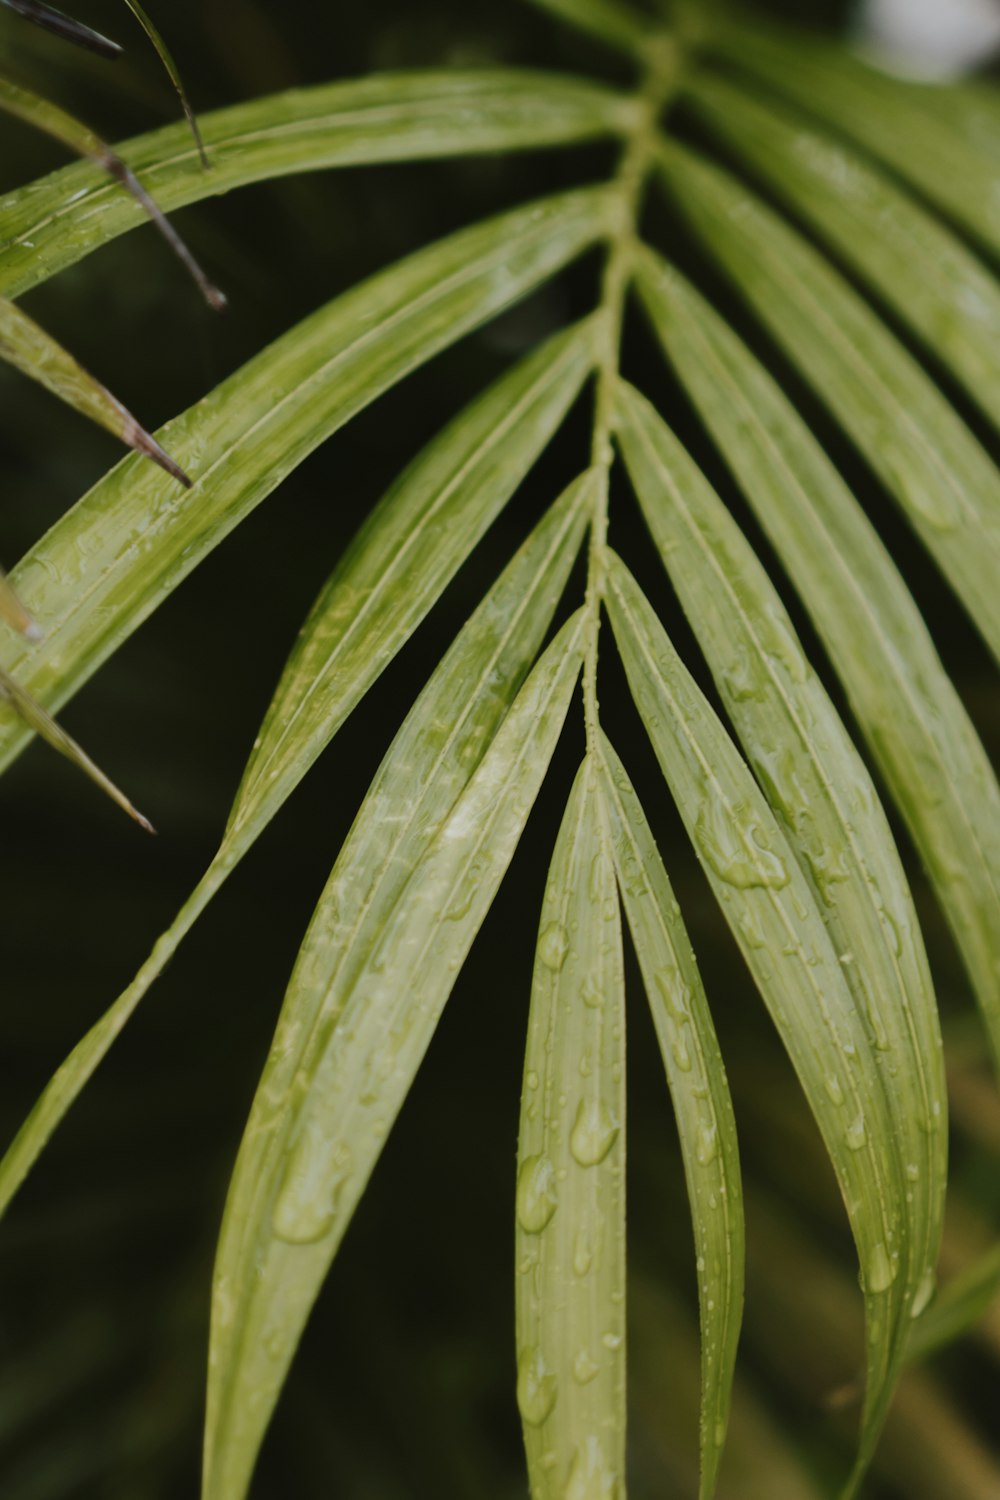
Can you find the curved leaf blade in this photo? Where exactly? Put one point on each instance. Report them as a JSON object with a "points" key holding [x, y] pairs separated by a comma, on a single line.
{"points": [[943, 480], [51, 224], [913, 720], [362, 1065], [401, 560], [570, 1224], [106, 565], [429, 765], [702, 1104], [923, 271], [821, 793], [36, 354], [164, 54], [772, 911]]}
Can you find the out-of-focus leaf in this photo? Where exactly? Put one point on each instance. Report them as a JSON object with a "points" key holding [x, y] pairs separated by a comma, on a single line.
{"points": [[772, 911], [935, 137], [611, 21], [360, 1064], [957, 1308], [699, 1091], [910, 434], [34, 716], [913, 719], [167, 60], [922, 270], [36, 354], [54, 121], [50, 224], [106, 565], [64, 26], [570, 1228], [819, 788]]}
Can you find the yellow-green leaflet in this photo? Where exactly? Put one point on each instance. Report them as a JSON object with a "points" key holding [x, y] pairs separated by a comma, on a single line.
{"points": [[702, 1104], [36, 354], [458, 484], [34, 716], [403, 557], [908, 431], [428, 766], [942, 139], [52, 223], [819, 788], [358, 1065], [570, 1202], [115, 556], [772, 910], [922, 270], [167, 60], [912, 718]]}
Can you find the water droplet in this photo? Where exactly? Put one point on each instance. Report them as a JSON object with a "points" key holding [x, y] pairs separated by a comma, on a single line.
{"points": [[311, 1183], [924, 1293], [595, 1131], [855, 1134], [591, 993], [708, 1144], [589, 1476], [536, 1193], [553, 945], [881, 1270], [537, 1388], [584, 1368], [531, 1080], [739, 855], [583, 1256], [912, 1171], [612, 1340], [682, 1056], [719, 1434], [834, 1092]]}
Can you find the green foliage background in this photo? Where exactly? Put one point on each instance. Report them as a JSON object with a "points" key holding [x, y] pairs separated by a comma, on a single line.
{"points": [[404, 1385]]}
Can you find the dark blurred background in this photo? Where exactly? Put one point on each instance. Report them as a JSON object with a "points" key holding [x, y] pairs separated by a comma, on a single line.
{"points": [[404, 1384]]}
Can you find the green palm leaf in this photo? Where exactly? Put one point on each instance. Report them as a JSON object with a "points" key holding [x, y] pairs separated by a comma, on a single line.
{"points": [[773, 913], [913, 720], [927, 135], [945, 483], [570, 1244], [90, 583], [822, 795], [700, 1094], [364, 1057], [51, 224], [920, 269]]}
